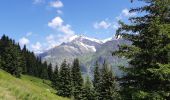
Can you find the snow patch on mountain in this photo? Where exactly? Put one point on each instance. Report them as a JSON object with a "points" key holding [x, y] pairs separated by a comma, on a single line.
{"points": [[81, 38]]}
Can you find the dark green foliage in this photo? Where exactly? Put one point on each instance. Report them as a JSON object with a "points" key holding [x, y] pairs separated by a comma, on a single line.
{"points": [[0, 62], [106, 86], [11, 57], [148, 74], [17, 61], [96, 80], [64, 88], [77, 80], [88, 90], [50, 71], [55, 78], [23, 64], [44, 73]]}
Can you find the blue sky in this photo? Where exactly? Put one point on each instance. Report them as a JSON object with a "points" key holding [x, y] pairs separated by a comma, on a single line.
{"points": [[43, 24]]}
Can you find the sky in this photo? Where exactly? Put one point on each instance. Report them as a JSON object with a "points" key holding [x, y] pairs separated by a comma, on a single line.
{"points": [[44, 24]]}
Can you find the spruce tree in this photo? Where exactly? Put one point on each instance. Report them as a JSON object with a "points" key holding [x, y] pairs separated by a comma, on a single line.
{"points": [[55, 79], [44, 74], [17, 61], [64, 88], [50, 71], [1, 54], [88, 90], [107, 84], [0, 62], [23, 64], [96, 80], [11, 56], [148, 74], [77, 80]]}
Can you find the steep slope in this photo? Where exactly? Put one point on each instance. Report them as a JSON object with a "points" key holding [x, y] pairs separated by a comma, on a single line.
{"points": [[105, 53], [26, 88], [88, 50], [79, 46]]}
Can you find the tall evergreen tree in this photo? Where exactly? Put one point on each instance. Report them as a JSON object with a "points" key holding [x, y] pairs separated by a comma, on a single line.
{"points": [[77, 80], [0, 62], [148, 74], [50, 71], [107, 84], [44, 74], [23, 64], [96, 80], [17, 61], [64, 80], [1, 54], [88, 90], [55, 79], [10, 56]]}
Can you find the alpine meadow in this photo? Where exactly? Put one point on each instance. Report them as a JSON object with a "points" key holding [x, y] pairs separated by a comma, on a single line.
{"points": [[85, 50]]}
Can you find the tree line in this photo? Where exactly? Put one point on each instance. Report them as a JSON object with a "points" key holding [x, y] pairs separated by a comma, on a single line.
{"points": [[17, 60], [66, 79], [146, 77], [69, 82]]}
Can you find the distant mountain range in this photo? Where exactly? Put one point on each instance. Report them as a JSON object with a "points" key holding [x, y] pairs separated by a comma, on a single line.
{"points": [[88, 50]]}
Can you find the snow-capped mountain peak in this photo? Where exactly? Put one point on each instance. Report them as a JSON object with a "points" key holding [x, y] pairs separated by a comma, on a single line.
{"points": [[76, 46], [84, 38]]}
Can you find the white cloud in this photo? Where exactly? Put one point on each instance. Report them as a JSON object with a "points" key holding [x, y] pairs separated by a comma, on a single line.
{"points": [[102, 25], [56, 22], [24, 41], [52, 41], [126, 13], [56, 4], [115, 25], [29, 34], [37, 47], [59, 12], [65, 29], [56, 39], [38, 1]]}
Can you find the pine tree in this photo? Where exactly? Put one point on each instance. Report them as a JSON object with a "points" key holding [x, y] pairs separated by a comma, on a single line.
{"points": [[64, 88], [0, 55], [10, 56], [55, 79], [17, 61], [0, 62], [107, 84], [77, 80], [44, 74], [148, 74], [23, 64], [88, 90], [50, 71], [96, 80]]}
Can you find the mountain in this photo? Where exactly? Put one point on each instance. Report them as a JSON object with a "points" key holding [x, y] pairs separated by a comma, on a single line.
{"points": [[78, 46], [105, 53], [88, 50]]}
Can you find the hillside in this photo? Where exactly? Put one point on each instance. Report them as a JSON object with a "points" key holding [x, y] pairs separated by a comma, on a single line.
{"points": [[26, 88], [88, 50]]}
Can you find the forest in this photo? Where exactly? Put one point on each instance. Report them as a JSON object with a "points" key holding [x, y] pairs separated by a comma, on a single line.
{"points": [[146, 77]]}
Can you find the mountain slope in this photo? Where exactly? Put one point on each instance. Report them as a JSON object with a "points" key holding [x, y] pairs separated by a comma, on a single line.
{"points": [[79, 46], [105, 53], [26, 88], [88, 50]]}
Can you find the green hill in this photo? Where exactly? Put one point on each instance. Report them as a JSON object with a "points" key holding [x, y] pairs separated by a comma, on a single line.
{"points": [[25, 88]]}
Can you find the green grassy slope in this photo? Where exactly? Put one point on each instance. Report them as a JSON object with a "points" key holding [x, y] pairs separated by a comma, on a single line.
{"points": [[26, 88]]}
